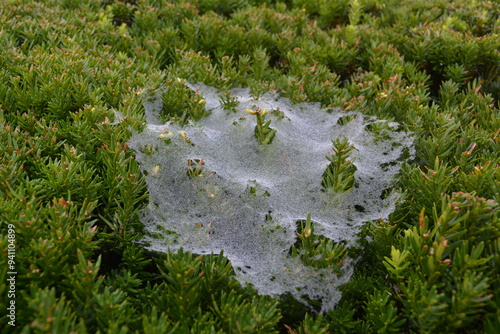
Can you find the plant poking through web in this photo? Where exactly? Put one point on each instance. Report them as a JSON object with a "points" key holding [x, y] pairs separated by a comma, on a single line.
{"points": [[182, 104], [339, 175], [263, 132], [227, 101], [316, 250], [195, 167]]}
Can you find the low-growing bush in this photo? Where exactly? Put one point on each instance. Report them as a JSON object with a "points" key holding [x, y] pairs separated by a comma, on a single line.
{"points": [[75, 74]]}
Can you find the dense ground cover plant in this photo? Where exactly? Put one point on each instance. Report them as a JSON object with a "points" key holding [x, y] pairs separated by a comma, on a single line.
{"points": [[72, 188]]}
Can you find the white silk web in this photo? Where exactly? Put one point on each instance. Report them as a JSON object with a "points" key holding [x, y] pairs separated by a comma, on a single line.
{"points": [[244, 182]]}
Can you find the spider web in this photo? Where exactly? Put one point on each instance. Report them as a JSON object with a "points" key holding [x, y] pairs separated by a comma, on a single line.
{"points": [[250, 196]]}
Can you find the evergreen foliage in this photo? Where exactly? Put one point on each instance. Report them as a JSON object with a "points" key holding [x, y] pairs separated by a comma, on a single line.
{"points": [[73, 190]]}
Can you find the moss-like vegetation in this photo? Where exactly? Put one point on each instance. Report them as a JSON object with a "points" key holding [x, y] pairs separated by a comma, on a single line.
{"points": [[71, 190]]}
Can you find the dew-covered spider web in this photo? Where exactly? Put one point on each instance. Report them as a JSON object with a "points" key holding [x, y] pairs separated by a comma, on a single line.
{"points": [[246, 198]]}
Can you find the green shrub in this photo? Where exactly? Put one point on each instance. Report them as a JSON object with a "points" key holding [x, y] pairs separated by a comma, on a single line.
{"points": [[74, 191]]}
